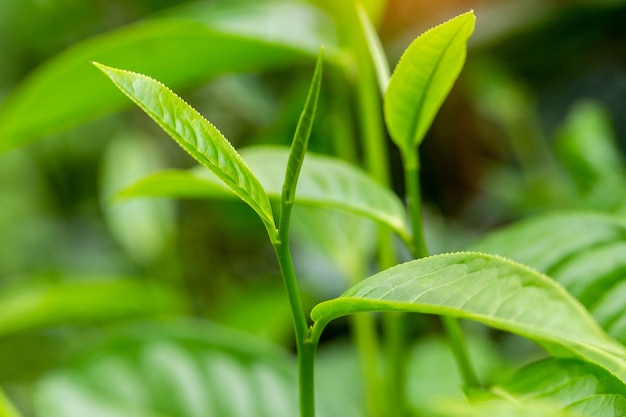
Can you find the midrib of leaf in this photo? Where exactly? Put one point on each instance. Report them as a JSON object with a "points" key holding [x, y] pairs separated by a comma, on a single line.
{"points": [[196, 135]]}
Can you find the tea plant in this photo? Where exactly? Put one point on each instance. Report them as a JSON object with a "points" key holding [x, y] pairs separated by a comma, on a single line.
{"points": [[472, 285], [559, 286]]}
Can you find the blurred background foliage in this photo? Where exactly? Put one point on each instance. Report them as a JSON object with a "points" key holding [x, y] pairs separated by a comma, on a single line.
{"points": [[535, 123]]}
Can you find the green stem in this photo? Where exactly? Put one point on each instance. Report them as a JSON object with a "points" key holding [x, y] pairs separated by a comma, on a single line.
{"points": [[366, 339], [459, 350], [305, 349], [414, 202], [452, 328], [396, 353]]}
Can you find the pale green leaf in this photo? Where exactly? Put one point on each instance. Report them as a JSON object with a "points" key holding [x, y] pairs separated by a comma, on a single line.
{"points": [[331, 183], [324, 182], [587, 144], [333, 248], [178, 183], [179, 47], [488, 289], [144, 228], [29, 307], [197, 136], [585, 252], [375, 49], [179, 369], [422, 79]]}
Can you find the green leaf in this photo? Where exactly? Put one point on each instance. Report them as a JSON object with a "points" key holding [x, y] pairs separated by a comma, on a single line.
{"points": [[422, 79], [334, 238], [144, 228], [585, 252], [178, 47], [29, 307], [375, 49], [324, 182], [300, 142], [488, 289], [588, 148], [178, 369], [570, 384], [197, 136], [587, 144]]}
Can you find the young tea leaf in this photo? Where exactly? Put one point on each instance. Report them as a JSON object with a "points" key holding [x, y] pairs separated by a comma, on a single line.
{"points": [[197, 136], [375, 48], [422, 79], [300, 141], [487, 289]]}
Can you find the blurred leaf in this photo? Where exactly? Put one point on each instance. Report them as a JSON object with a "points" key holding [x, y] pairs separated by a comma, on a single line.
{"points": [[375, 49], [197, 136], [324, 182], [241, 311], [569, 384], [422, 79], [179, 48], [345, 241], [143, 227], [433, 375], [28, 307], [177, 370], [587, 146], [6, 408], [585, 252], [329, 182], [491, 290]]}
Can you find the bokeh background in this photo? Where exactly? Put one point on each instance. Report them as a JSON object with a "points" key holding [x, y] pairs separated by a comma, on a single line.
{"points": [[537, 74]]}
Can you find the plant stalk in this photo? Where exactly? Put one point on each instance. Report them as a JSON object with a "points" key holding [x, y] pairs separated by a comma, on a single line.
{"points": [[305, 349], [366, 340], [452, 328]]}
